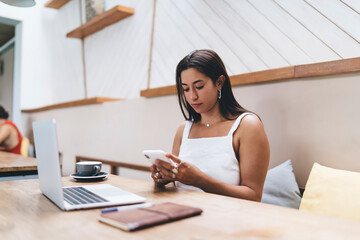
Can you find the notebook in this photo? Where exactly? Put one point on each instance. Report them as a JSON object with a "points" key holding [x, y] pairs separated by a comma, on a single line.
{"points": [[135, 219], [75, 197]]}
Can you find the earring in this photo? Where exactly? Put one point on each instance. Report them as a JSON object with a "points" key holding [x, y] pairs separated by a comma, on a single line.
{"points": [[219, 94]]}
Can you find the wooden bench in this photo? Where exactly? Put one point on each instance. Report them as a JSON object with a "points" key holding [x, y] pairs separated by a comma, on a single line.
{"points": [[114, 166]]}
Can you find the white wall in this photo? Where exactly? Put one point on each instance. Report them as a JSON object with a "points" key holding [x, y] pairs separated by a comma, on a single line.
{"points": [[51, 67], [6, 80], [306, 120]]}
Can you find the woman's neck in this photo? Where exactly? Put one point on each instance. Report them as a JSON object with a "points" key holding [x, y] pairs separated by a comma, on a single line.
{"points": [[211, 117]]}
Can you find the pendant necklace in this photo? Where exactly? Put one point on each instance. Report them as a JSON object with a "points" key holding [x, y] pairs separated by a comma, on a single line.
{"points": [[209, 123]]}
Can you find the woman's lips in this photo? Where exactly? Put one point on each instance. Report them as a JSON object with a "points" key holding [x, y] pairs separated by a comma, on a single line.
{"points": [[196, 105]]}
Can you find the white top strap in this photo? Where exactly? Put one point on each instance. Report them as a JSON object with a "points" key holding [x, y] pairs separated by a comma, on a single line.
{"points": [[237, 122], [187, 128]]}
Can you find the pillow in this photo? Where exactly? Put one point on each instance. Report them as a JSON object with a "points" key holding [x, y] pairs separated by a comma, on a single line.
{"points": [[332, 192], [280, 187]]}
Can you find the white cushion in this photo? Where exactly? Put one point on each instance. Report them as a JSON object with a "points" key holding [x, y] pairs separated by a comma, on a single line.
{"points": [[281, 188]]}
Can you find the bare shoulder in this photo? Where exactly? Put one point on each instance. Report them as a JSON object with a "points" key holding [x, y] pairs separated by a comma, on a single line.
{"points": [[180, 130], [178, 138], [251, 121], [250, 125]]}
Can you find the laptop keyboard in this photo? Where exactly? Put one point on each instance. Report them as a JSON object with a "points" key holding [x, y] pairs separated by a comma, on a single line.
{"points": [[80, 195]]}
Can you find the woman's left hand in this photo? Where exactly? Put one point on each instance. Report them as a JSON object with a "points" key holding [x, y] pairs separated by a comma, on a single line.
{"points": [[183, 172]]}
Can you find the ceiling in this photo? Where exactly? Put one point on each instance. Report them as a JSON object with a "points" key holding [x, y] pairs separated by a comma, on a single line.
{"points": [[6, 33]]}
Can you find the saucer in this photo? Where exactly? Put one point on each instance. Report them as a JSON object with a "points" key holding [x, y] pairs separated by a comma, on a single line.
{"points": [[98, 177]]}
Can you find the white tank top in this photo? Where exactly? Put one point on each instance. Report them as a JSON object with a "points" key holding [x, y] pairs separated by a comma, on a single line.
{"points": [[214, 156]]}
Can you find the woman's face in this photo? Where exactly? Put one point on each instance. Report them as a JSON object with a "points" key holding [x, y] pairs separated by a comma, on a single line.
{"points": [[199, 90]]}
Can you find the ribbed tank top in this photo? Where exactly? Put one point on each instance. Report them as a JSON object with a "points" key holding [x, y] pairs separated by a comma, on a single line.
{"points": [[214, 156]]}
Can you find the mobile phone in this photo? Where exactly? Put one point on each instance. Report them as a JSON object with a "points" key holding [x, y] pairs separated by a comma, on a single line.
{"points": [[152, 155]]}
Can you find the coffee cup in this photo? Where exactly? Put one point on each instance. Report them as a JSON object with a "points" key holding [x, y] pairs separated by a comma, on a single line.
{"points": [[88, 168]]}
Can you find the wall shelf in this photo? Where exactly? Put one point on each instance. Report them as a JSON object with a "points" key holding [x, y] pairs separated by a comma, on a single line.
{"points": [[95, 100], [56, 4], [291, 72], [101, 21]]}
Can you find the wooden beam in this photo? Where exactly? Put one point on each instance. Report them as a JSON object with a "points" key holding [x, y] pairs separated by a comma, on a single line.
{"points": [[285, 73], [113, 164], [161, 91], [263, 76], [328, 68], [101, 21], [56, 4], [95, 100]]}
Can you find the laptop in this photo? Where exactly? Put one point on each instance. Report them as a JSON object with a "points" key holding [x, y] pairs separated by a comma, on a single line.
{"points": [[74, 197]]}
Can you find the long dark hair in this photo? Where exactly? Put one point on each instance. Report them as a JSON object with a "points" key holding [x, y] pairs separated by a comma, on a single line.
{"points": [[3, 113], [210, 64]]}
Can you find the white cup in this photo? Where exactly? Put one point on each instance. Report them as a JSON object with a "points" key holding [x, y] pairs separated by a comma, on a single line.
{"points": [[88, 168]]}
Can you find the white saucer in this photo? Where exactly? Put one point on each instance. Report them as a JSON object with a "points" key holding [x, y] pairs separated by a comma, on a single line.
{"points": [[100, 176]]}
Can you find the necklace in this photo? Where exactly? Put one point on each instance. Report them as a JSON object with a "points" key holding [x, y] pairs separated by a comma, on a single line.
{"points": [[209, 123]]}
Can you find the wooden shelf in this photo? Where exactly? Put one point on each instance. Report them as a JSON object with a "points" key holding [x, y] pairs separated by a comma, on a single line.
{"points": [[56, 4], [95, 100], [101, 21], [291, 72]]}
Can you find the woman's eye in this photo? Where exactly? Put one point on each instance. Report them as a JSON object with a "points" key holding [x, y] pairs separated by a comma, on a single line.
{"points": [[198, 88], [185, 90]]}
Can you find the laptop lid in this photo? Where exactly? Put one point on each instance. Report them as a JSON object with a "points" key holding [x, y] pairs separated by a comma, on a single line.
{"points": [[47, 157]]}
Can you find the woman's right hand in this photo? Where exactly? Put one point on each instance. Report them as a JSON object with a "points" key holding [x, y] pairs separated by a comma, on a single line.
{"points": [[157, 176]]}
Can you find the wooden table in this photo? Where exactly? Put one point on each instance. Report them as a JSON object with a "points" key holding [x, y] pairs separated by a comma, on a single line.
{"points": [[27, 214], [14, 164]]}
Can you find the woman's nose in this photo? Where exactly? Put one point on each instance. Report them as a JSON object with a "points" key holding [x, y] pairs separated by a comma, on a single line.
{"points": [[193, 94]]}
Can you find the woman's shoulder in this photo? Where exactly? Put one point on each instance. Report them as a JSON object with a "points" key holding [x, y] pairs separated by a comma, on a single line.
{"points": [[250, 124], [182, 127]]}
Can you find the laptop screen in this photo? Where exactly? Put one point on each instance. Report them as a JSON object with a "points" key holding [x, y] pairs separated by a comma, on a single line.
{"points": [[47, 156]]}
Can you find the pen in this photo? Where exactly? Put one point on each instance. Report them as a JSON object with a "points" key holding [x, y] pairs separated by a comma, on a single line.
{"points": [[123, 208]]}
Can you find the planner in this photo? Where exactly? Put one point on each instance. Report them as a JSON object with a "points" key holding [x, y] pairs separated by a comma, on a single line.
{"points": [[135, 219]]}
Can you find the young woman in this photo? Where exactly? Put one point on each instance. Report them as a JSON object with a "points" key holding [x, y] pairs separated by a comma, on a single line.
{"points": [[10, 136], [221, 147]]}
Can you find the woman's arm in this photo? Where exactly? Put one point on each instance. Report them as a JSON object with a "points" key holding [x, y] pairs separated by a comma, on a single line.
{"points": [[5, 132], [254, 154]]}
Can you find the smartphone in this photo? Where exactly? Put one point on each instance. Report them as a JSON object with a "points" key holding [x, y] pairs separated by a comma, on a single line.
{"points": [[152, 155]]}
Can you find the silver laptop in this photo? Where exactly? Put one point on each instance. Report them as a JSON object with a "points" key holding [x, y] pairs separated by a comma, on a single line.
{"points": [[75, 197]]}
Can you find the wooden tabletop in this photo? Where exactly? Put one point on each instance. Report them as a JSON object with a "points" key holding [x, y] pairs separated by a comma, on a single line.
{"points": [[10, 162], [27, 214]]}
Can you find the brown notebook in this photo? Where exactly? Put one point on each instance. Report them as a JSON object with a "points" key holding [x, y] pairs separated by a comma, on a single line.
{"points": [[134, 219]]}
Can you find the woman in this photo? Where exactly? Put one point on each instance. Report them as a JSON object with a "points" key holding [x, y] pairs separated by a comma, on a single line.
{"points": [[221, 147], [10, 136]]}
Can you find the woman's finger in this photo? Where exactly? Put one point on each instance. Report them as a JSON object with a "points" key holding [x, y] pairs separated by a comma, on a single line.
{"points": [[174, 158]]}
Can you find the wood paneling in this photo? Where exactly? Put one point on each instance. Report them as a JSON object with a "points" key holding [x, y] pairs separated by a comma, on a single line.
{"points": [[95, 100], [353, 4], [299, 71], [56, 4], [319, 25], [295, 31], [117, 57], [340, 14], [253, 40], [101, 21], [271, 33]]}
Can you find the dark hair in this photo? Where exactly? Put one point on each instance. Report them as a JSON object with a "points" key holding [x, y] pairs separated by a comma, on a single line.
{"points": [[210, 64], [3, 113]]}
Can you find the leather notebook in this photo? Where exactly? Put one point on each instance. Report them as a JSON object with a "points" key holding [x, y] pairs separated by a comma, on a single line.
{"points": [[134, 219]]}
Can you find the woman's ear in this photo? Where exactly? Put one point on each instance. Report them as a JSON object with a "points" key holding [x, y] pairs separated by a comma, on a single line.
{"points": [[220, 82]]}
